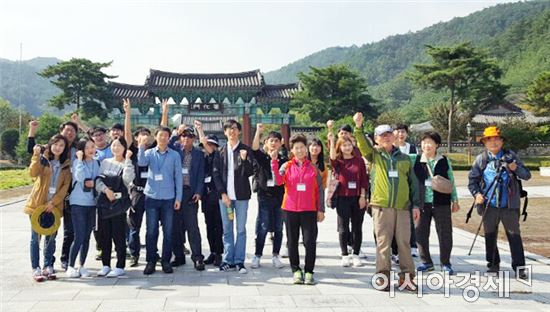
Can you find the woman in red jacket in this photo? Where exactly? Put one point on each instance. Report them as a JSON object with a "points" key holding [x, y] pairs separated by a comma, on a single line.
{"points": [[353, 180], [302, 204]]}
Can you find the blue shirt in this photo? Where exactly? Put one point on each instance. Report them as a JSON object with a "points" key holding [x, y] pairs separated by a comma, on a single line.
{"points": [[500, 198], [105, 153], [83, 170], [164, 177]]}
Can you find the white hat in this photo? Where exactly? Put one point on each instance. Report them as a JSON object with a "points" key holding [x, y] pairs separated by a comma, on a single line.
{"points": [[382, 129]]}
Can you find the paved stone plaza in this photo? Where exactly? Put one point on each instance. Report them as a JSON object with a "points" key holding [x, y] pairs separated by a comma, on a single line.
{"points": [[263, 289]]}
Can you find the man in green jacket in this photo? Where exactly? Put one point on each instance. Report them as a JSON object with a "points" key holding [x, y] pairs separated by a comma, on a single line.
{"points": [[393, 186]]}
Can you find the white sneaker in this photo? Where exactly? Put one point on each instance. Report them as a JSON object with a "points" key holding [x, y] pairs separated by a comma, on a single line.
{"points": [[104, 271], [395, 259], [356, 260], [116, 272], [72, 272], [346, 261], [362, 255], [414, 252], [284, 252], [276, 260], [255, 263], [83, 272]]}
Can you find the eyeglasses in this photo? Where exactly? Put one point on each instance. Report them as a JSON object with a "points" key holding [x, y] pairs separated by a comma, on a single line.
{"points": [[98, 134]]}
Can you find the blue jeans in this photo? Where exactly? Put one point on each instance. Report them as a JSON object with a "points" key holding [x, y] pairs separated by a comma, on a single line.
{"points": [[234, 251], [158, 210], [49, 249], [270, 217], [83, 218]]}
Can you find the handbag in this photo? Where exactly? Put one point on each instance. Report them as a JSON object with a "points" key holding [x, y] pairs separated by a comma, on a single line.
{"points": [[106, 208], [440, 184], [333, 185]]}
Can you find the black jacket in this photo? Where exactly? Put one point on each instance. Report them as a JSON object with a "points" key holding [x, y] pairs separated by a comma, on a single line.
{"points": [[264, 174], [421, 172], [243, 169]]}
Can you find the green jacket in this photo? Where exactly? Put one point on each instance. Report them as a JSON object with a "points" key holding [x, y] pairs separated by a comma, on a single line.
{"points": [[389, 192]]}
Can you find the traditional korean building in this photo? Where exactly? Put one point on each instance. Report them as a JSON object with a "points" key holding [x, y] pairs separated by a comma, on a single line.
{"points": [[210, 98]]}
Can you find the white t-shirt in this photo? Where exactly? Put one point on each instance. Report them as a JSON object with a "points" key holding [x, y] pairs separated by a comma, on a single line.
{"points": [[231, 172], [405, 149]]}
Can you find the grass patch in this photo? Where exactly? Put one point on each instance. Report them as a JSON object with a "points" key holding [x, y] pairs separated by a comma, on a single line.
{"points": [[14, 178]]}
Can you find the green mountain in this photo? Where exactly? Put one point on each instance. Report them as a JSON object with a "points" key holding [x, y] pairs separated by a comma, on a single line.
{"points": [[517, 34], [20, 83]]}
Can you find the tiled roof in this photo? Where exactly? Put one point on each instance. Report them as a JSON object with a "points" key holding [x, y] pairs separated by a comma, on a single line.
{"points": [[283, 91], [123, 90], [244, 80]]}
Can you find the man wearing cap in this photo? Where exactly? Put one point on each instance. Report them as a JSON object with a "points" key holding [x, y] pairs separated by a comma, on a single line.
{"points": [[393, 185], [185, 219], [210, 195], [505, 202]]}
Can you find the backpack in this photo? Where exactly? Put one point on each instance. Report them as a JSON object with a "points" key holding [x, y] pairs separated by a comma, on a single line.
{"points": [[523, 193]]}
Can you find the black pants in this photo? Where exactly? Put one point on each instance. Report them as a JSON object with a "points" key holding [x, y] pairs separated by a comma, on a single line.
{"points": [[109, 230], [444, 228], [68, 234], [135, 219], [348, 209], [213, 219], [306, 222], [185, 220], [510, 220]]}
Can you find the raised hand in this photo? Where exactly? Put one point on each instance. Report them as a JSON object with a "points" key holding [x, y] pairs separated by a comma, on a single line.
{"points": [[358, 119], [36, 150], [79, 155], [198, 125], [330, 124], [243, 154], [75, 118], [33, 126], [164, 105], [126, 105], [260, 128], [129, 155], [274, 154]]}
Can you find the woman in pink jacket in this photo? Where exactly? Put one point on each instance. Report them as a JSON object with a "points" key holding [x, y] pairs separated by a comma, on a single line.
{"points": [[302, 204]]}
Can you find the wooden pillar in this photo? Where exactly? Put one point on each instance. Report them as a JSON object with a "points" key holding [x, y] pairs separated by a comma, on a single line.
{"points": [[246, 133], [285, 129]]}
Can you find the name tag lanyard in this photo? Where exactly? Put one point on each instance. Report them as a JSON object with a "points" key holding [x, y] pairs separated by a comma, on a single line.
{"points": [[160, 163]]}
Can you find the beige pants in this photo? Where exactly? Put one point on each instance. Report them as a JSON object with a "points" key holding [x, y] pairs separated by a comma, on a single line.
{"points": [[388, 221]]}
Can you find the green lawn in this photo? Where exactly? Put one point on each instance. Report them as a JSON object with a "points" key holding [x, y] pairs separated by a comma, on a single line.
{"points": [[14, 178], [460, 161]]}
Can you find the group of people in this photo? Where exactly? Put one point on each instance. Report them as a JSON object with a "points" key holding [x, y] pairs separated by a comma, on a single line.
{"points": [[106, 187]]}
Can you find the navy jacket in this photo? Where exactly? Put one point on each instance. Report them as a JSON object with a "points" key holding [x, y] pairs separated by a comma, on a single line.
{"points": [[196, 171]]}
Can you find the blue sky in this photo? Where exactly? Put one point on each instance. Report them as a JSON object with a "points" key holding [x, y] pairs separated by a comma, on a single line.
{"points": [[207, 36]]}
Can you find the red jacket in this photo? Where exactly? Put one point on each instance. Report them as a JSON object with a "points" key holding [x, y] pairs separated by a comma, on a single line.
{"points": [[303, 185]]}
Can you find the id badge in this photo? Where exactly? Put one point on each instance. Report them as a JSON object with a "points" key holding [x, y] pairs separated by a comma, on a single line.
{"points": [[185, 170], [393, 174], [352, 185], [207, 179], [428, 182], [51, 190], [270, 183], [144, 174], [158, 177], [301, 187]]}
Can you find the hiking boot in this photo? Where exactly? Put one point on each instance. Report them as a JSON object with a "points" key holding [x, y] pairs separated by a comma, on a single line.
{"points": [[150, 268]]}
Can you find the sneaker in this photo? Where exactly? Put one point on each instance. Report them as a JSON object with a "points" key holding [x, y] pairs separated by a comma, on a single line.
{"points": [[225, 267], [346, 261], [83, 272], [309, 280], [356, 261], [408, 285], [298, 277], [255, 262], [199, 264], [241, 268], [38, 276], [520, 274], [414, 252], [150, 268], [425, 267], [186, 251], [362, 255], [166, 267], [49, 273], [395, 259], [210, 259], [276, 260], [64, 265], [72, 272], [284, 252], [134, 262], [116, 272], [448, 268], [104, 271]]}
